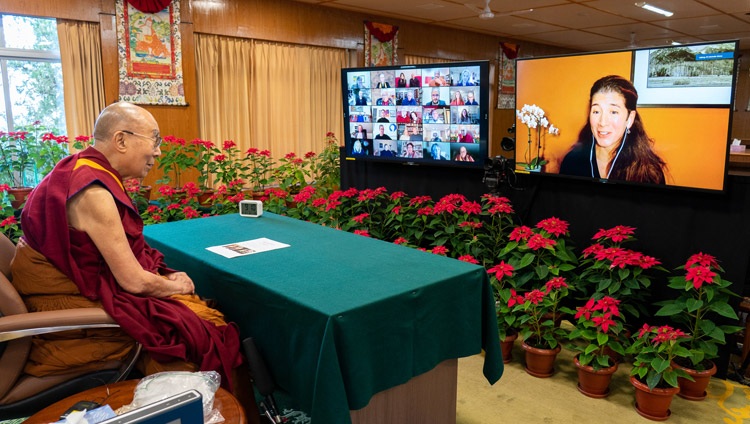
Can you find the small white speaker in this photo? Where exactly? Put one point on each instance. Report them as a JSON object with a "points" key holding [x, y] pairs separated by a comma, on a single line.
{"points": [[251, 208]]}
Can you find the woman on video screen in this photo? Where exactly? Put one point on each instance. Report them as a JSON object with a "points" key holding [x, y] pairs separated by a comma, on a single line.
{"points": [[613, 144]]}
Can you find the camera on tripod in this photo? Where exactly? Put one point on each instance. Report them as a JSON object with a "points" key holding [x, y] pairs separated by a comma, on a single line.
{"points": [[498, 169]]}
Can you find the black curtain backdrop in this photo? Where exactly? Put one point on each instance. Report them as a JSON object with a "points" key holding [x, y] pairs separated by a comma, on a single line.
{"points": [[671, 224]]}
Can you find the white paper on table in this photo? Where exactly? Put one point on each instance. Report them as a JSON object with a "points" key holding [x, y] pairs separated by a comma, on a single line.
{"points": [[249, 247]]}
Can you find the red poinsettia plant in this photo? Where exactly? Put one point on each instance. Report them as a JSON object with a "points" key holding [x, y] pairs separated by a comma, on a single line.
{"points": [[654, 348], [609, 269], [703, 296], [501, 278], [540, 253], [597, 332], [538, 310]]}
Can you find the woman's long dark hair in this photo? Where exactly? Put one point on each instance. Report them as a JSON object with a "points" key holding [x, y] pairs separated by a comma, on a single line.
{"points": [[637, 161]]}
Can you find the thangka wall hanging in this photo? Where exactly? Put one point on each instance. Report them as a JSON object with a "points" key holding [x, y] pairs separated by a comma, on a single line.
{"points": [[506, 91], [381, 43], [150, 54]]}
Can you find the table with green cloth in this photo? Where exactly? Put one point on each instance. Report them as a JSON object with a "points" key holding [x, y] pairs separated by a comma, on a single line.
{"points": [[337, 316]]}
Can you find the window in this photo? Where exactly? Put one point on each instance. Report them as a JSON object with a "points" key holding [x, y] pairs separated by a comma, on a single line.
{"points": [[31, 85]]}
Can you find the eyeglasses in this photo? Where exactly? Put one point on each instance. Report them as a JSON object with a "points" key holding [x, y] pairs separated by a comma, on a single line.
{"points": [[157, 141]]}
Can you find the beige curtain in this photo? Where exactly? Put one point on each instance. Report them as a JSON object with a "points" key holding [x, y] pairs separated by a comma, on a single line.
{"points": [[280, 97], [81, 60], [223, 67]]}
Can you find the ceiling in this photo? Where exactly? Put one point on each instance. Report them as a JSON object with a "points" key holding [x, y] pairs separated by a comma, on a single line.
{"points": [[585, 25]]}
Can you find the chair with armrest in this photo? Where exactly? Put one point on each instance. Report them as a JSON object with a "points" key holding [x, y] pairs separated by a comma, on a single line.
{"points": [[21, 394]]}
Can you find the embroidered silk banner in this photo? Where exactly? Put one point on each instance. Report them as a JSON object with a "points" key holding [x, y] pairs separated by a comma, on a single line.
{"points": [[506, 92], [381, 43], [150, 55]]}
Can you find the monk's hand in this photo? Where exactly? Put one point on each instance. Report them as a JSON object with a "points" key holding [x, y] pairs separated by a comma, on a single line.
{"points": [[184, 283]]}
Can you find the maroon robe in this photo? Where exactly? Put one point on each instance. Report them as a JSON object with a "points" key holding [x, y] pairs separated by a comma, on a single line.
{"points": [[166, 328]]}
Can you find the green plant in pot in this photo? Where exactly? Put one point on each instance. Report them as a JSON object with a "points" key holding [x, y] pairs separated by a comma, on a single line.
{"points": [[501, 278], [596, 336], [259, 169], [177, 156], [653, 376], [325, 167], [540, 253], [596, 332], [537, 311], [700, 306], [292, 172], [609, 269]]}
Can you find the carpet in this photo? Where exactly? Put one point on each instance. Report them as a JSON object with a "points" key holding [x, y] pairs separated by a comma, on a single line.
{"points": [[520, 398]]}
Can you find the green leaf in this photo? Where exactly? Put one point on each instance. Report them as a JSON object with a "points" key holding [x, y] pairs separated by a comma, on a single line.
{"points": [[693, 304], [724, 310], [670, 309], [659, 364]]}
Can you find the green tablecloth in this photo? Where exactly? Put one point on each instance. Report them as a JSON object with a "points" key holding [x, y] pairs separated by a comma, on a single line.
{"points": [[338, 317]]}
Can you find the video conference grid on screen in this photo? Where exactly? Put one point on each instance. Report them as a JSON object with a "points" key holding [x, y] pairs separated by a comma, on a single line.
{"points": [[421, 113]]}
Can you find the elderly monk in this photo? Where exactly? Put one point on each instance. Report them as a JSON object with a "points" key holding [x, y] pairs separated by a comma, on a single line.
{"points": [[83, 246]]}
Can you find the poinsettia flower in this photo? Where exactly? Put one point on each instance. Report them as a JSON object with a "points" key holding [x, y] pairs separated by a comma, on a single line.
{"points": [[556, 283], [535, 296], [538, 241], [440, 250], [362, 233], [603, 322], [553, 226], [702, 259], [699, 275], [468, 258], [521, 233], [11, 220], [471, 208], [400, 240], [585, 310], [361, 217], [646, 329], [501, 270]]}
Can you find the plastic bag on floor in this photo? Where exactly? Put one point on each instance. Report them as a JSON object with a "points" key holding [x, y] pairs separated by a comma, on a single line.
{"points": [[156, 387]]}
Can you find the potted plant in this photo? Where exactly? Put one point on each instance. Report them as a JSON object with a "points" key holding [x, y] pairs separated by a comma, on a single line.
{"points": [[653, 376], [259, 170], [205, 151], [540, 253], [541, 334], [609, 269], [703, 296], [292, 172], [595, 336], [501, 278], [9, 223], [25, 157], [177, 156], [325, 166], [230, 167], [533, 117]]}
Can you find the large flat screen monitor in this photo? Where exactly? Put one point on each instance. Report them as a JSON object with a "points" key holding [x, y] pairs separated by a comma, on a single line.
{"points": [[430, 114], [656, 116]]}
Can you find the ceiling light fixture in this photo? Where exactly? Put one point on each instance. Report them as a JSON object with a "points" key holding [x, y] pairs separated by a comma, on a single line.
{"points": [[654, 9]]}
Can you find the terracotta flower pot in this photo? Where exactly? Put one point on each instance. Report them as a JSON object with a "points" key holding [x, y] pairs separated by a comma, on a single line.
{"points": [[594, 383], [540, 362], [694, 390], [19, 195], [653, 404], [507, 347], [204, 197]]}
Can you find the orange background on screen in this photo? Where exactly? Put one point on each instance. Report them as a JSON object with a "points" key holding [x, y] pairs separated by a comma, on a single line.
{"points": [[691, 141]]}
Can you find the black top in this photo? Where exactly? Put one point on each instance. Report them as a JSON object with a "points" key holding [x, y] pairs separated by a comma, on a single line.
{"points": [[578, 162]]}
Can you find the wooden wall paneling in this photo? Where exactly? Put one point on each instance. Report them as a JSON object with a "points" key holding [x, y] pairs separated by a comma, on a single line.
{"points": [[79, 10]]}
